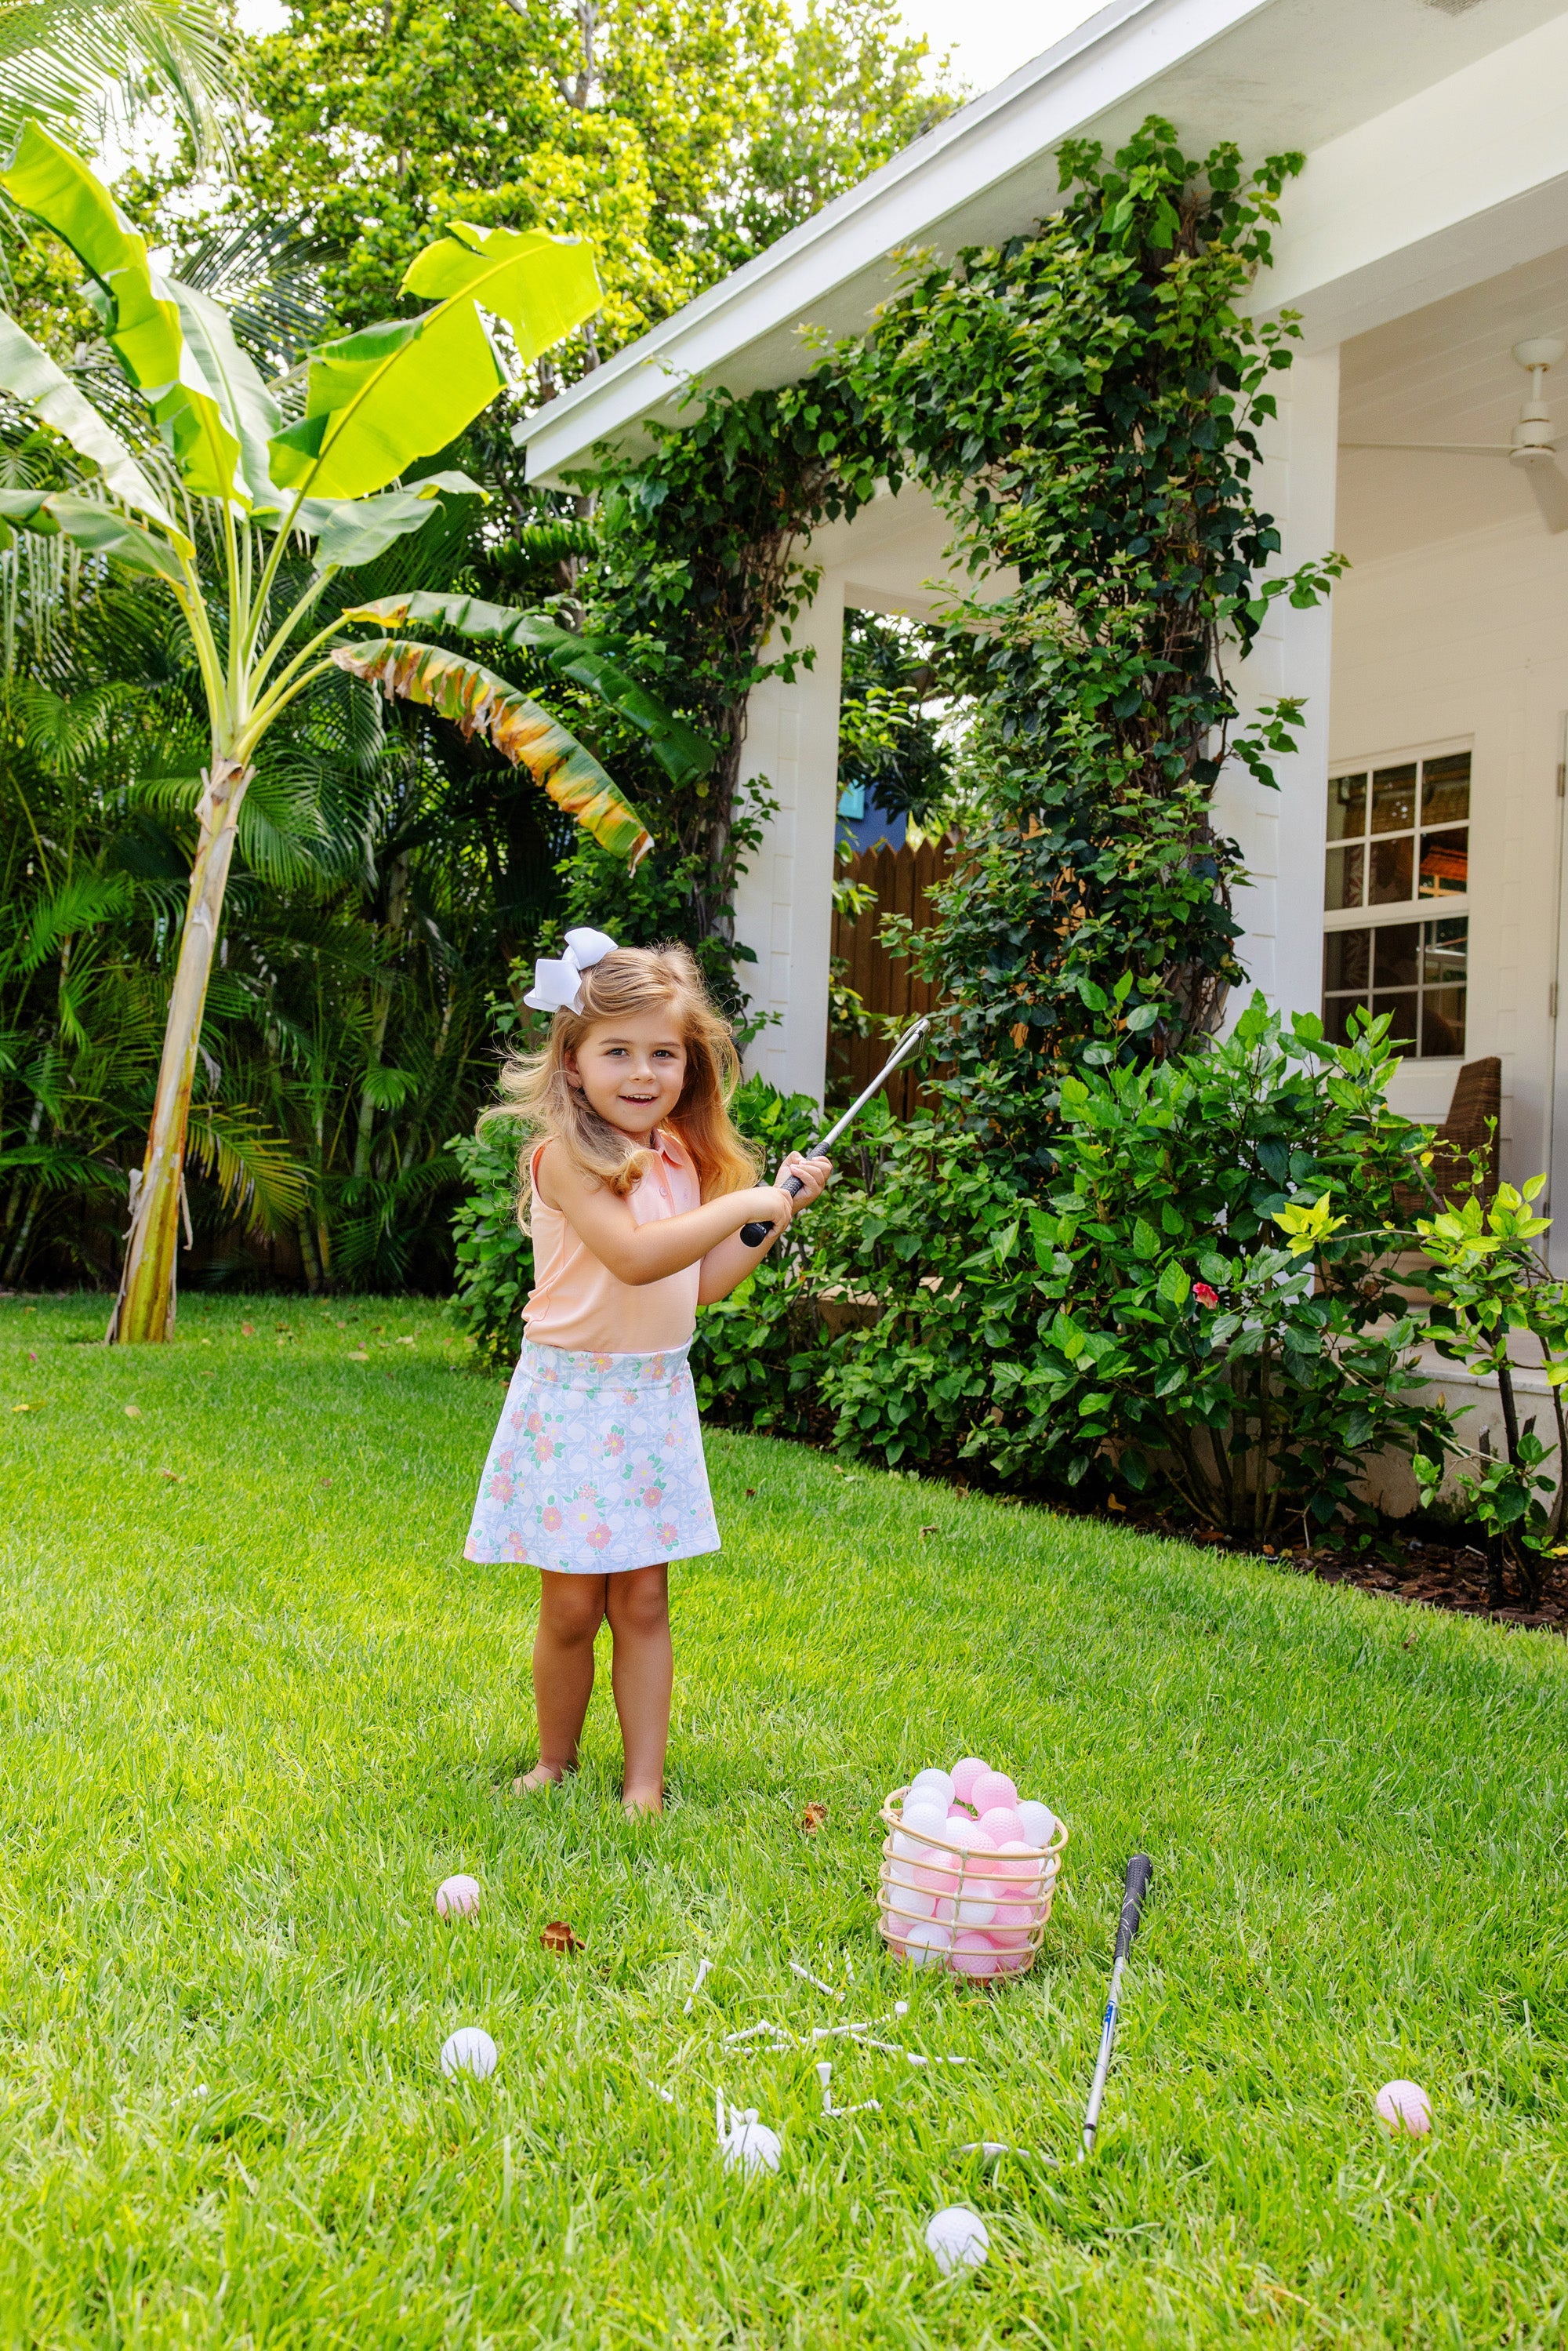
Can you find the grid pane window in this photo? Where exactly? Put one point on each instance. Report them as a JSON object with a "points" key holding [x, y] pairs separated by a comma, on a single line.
{"points": [[1399, 833], [1414, 970]]}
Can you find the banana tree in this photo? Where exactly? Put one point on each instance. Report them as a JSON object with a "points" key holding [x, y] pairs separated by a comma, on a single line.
{"points": [[261, 488]]}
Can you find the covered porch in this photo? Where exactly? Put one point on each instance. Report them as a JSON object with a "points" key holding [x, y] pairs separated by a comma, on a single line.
{"points": [[1426, 238]]}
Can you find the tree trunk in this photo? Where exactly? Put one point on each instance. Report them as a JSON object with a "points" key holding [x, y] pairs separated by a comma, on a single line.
{"points": [[144, 1309]]}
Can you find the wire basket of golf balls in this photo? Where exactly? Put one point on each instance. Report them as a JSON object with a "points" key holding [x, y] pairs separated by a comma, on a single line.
{"points": [[968, 1873]]}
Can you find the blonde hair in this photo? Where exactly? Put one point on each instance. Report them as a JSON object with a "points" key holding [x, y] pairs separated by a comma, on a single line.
{"points": [[538, 1092]]}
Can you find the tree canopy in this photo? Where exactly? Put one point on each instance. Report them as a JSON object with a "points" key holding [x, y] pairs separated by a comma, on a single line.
{"points": [[678, 136]]}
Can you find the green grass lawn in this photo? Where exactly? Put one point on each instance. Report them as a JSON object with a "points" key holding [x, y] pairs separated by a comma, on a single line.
{"points": [[255, 1710]]}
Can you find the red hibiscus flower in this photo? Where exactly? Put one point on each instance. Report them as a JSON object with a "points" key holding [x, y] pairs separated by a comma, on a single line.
{"points": [[1204, 1294]]}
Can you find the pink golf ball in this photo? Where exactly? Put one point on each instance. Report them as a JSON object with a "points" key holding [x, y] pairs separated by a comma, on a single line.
{"points": [[1022, 1862], [959, 1812], [974, 1954], [458, 1898], [1003, 1824], [974, 1910], [965, 1775], [991, 1789], [936, 1875], [1403, 2106]]}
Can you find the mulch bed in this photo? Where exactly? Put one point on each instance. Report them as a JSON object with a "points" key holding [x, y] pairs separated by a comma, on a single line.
{"points": [[1430, 1570]]}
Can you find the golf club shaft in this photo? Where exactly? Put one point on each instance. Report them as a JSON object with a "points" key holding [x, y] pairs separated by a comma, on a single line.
{"points": [[1140, 1870], [755, 1234], [1103, 2062]]}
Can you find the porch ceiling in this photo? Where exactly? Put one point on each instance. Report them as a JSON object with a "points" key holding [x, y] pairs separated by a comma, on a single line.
{"points": [[1444, 373]]}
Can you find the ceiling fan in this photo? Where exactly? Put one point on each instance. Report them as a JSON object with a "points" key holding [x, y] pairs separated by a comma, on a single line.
{"points": [[1533, 447]]}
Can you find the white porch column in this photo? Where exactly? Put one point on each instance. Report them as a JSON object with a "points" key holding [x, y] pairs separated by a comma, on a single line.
{"points": [[1282, 834], [783, 903]]}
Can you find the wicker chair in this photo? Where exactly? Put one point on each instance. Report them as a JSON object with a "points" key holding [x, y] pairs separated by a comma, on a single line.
{"points": [[1473, 1124]]}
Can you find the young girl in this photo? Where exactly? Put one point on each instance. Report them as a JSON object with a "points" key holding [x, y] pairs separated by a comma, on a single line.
{"points": [[635, 1195]]}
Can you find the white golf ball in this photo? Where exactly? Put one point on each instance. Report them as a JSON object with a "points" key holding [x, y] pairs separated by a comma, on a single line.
{"points": [[958, 2239], [1405, 2106], [918, 1824], [469, 2049], [937, 1784], [1039, 1824], [458, 1898], [911, 1901], [752, 2147], [926, 1945], [971, 1913]]}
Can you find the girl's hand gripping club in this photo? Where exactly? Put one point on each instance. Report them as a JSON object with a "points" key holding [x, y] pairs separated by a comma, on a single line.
{"points": [[1140, 1870], [755, 1234]]}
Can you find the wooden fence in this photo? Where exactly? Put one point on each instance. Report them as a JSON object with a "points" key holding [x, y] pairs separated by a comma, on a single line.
{"points": [[902, 879]]}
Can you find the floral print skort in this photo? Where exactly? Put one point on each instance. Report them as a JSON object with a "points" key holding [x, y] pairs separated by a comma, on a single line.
{"points": [[597, 1466]]}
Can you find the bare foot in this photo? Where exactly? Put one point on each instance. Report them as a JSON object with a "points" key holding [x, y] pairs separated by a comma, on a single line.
{"points": [[543, 1775], [643, 1803]]}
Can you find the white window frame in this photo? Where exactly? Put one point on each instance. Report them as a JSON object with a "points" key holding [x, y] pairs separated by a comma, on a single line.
{"points": [[1404, 910]]}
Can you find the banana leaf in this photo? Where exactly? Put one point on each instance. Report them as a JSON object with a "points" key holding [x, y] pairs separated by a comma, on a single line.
{"points": [[377, 400], [98, 530], [358, 529], [681, 751], [247, 407], [141, 315], [478, 701], [542, 286], [28, 372]]}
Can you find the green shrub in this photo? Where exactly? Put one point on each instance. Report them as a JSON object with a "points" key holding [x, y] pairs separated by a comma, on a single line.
{"points": [[495, 1256], [1221, 1311], [1488, 1283], [1202, 1306], [924, 1234], [754, 1357]]}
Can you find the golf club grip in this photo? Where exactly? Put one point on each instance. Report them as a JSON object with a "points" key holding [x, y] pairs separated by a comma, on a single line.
{"points": [[754, 1234], [1140, 1870]]}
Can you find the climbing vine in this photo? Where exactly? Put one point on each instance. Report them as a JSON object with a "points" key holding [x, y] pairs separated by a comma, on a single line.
{"points": [[1085, 404]]}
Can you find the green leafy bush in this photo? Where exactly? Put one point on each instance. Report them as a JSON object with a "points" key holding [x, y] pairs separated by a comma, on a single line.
{"points": [[495, 1256], [754, 1357], [1488, 1282], [1221, 1314], [921, 1240], [1203, 1305]]}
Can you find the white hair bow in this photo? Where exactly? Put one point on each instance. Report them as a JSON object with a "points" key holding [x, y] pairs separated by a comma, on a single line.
{"points": [[557, 986]]}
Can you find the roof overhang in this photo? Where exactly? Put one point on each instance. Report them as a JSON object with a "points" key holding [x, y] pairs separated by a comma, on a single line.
{"points": [[1436, 138]]}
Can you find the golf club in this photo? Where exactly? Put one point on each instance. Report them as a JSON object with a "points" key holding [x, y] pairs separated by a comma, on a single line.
{"points": [[755, 1234], [1140, 1870]]}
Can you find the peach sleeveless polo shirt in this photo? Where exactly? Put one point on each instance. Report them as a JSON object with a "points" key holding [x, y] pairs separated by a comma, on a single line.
{"points": [[578, 1303]]}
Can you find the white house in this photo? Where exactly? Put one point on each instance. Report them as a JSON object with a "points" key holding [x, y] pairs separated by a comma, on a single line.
{"points": [[1414, 853]]}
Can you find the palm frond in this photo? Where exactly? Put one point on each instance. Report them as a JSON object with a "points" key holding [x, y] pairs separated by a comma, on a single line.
{"points": [[59, 1167], [270, 276], [61, 729], [81, 901], [64, 61], [255, 1172]]}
